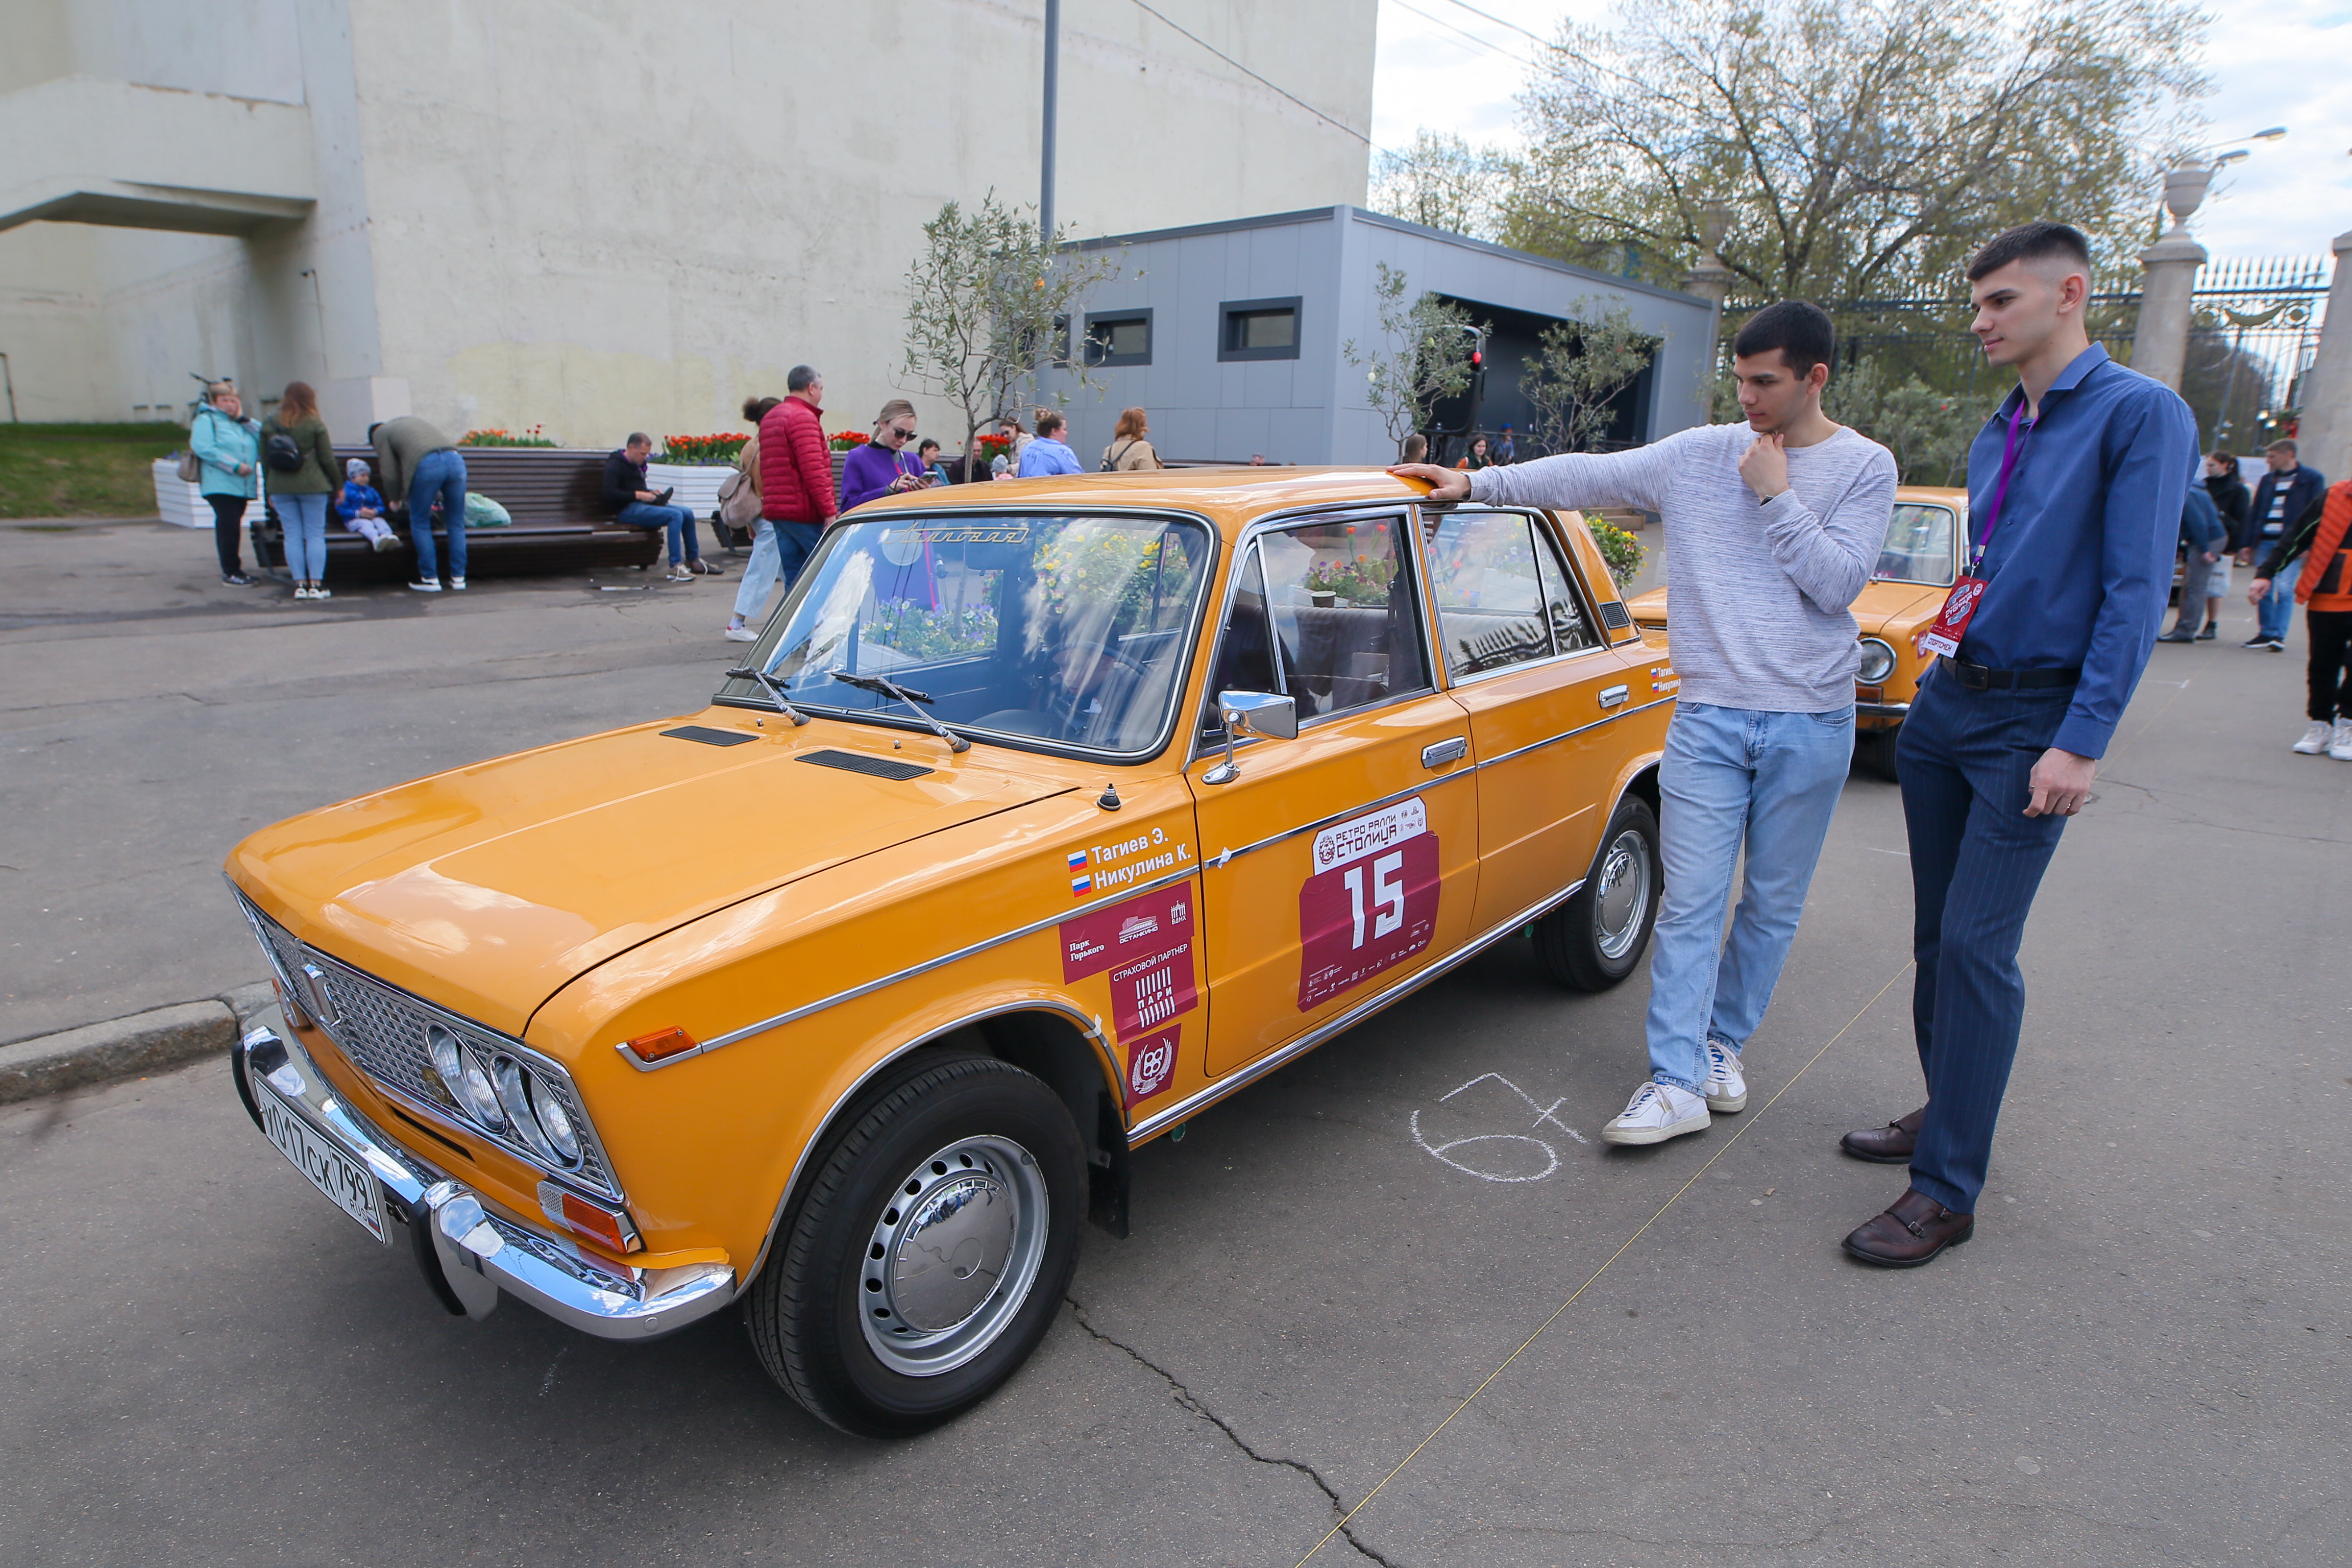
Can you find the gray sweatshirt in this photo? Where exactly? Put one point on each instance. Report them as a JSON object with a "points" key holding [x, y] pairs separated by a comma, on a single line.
{"points": [[1757, 595]]}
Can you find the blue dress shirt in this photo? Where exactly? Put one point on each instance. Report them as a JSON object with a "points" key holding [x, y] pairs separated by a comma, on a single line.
{"points": [[1048, 455], [2080, 565]]}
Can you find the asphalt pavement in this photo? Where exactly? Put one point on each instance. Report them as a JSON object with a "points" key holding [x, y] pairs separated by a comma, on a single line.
{"points": [[1405, 1263]]}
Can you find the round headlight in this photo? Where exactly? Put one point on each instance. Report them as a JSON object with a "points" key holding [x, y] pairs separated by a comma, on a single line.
{"points": [[514, 1094], [555, 1122], [461, 1074], [1877, 661]]}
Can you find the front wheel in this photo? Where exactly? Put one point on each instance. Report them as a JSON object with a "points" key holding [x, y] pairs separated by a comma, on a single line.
{"points": [[1594, 940], [927, 1256]]}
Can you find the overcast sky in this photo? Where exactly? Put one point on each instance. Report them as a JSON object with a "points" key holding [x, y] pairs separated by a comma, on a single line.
{"points": [[1444, 67]]}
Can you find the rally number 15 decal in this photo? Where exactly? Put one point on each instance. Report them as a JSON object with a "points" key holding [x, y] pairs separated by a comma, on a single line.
{"points": [[1371, 902]]}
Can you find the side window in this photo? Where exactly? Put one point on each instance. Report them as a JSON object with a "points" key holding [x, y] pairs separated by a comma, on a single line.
{"points": [[1324, 613], [1503, 597], [1571, 630]]}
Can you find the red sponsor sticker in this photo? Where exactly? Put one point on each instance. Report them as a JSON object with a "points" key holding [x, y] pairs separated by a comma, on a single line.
{"points": [[1146, 943], [1372, 903], [1150, 1063]]}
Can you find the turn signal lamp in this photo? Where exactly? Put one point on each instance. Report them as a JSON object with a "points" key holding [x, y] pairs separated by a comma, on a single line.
{"points": [[611, 1226], [661, 1045]]}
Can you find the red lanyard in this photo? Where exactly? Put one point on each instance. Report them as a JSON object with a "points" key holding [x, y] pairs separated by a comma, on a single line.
{"points": [[2011, 451]]}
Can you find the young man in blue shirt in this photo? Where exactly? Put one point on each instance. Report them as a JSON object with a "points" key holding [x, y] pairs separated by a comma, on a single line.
{"points": [[2074, 495]]}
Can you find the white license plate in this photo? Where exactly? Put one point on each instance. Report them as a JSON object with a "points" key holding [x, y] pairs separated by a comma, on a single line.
{"points": [[343, 1178]]}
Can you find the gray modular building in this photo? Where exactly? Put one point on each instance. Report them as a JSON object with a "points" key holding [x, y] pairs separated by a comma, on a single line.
{"points": [[1231, 335]]}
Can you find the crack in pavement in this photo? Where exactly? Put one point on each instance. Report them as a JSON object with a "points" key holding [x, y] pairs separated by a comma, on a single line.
{"points": [[1186, 1398]]}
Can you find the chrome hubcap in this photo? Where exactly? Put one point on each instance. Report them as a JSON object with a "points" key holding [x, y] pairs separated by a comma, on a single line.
{"points": [[1623, 900], [952, 1256]]}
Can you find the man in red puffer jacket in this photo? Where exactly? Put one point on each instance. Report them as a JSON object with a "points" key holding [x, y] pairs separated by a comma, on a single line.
{"points": [[795, 471]]}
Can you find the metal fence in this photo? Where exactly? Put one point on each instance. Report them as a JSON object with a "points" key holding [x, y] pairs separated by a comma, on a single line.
{"points": [[2254, 330]]}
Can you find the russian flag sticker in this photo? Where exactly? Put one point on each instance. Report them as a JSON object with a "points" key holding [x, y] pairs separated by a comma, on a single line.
{"points": [[1078, 860], [1081, 885]]}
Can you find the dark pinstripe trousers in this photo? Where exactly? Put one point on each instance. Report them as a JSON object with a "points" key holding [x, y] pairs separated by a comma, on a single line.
{"points": [[1977, 860]]}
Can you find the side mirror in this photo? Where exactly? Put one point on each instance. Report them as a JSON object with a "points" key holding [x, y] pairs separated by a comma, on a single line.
{"points": [[1259, 713]]}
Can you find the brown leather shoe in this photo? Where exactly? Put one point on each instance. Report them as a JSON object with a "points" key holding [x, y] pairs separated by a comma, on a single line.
{"points": [[1909, 1233], [1888, 1145]]}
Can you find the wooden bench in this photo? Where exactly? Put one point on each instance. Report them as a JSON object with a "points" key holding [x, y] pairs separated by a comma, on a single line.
{"points": [[560, 523]]}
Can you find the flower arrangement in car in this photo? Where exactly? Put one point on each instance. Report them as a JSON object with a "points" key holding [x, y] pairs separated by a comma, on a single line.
{"points": [[535, 437], [1618, 548], [702, 450], [1362, 581]]}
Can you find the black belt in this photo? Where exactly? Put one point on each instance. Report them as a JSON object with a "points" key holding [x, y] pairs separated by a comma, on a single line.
{"points": [[1976, 677]]}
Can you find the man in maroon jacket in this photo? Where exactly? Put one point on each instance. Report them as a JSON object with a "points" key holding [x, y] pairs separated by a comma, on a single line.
{"points": [[795, 471]]}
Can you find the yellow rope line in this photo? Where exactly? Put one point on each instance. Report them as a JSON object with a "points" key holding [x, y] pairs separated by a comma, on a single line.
{"points": [[1596, 1273]]}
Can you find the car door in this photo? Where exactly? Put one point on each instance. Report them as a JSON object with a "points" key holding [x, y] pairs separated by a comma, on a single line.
{"points": [[1337, 862], [1528, 661]]}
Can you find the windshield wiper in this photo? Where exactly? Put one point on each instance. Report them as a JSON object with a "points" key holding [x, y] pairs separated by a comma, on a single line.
{"points": [[882, 687], [775, 692]]}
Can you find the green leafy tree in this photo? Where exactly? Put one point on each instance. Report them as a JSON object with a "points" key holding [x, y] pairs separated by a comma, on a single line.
{"points": [[1422, 355], [1928, 430], [1863, 147], [1578, 365], [987, 302]]}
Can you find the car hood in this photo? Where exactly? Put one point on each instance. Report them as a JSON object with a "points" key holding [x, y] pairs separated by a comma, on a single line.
{"points": [[1883, 605], [488, 888]]}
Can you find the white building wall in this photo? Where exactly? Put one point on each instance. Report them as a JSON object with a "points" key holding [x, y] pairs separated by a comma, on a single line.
{"points": [[601, 216]]}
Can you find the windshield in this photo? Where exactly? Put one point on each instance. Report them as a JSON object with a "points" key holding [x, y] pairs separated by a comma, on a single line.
{"points": [[1060, 630], [1918, 546]]}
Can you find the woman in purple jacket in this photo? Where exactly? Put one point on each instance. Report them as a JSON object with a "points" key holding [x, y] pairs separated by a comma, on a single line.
{"points": [[883, 466]]}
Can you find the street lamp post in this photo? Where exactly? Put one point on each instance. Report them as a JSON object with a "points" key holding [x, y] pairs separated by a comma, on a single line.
{"points": [[1053, 93]]}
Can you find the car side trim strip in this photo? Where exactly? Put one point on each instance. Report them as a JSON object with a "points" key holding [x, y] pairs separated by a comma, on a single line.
{"points": [[1160, 1122], [871, 987]]}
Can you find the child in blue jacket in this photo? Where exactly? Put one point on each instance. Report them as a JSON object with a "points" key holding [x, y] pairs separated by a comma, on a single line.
{"points": [[361, 507]]}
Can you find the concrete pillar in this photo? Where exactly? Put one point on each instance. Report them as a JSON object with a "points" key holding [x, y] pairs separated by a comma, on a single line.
{"points": [[2324, 433], [2160, 344], [1711, 281]]}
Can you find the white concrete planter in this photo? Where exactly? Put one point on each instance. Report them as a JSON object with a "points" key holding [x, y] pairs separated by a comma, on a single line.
{"points": [[697, 484], [182, 505]]}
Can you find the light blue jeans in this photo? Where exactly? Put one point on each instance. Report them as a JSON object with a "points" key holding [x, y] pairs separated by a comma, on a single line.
{"points": [[1729, 774], [758, 575], [2275, 614], [305, 521]]}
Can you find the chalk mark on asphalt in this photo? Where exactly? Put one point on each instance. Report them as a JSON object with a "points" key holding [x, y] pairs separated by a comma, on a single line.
{"points": [[1730, 1143]]}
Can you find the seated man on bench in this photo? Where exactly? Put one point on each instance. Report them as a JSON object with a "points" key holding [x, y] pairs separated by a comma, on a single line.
{"points": [[627, 491]]}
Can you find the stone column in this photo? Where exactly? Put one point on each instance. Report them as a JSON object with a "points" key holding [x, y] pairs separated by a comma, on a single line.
{"points": [[2324, 433], [1711, 281], [2160, 344]]}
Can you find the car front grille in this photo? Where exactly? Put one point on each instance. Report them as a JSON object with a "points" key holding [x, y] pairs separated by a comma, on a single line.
{"points": [[382, 1028]]}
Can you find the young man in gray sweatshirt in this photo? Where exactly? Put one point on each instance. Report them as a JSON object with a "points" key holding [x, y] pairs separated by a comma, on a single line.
{"points": [[1772, 528]]}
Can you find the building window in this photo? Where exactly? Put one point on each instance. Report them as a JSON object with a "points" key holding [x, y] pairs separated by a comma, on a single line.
{"points": [[1117, 338], [1260, 329]]}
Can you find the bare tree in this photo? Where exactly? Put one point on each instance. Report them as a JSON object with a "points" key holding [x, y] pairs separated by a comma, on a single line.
{"points": [[1862, 146], [1577, 366], [1422, 355], [987, 303], [1441, 181]]}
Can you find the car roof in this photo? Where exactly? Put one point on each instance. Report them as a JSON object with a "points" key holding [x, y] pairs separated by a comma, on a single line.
{"points": [[1231, 498], [1942, 495]]}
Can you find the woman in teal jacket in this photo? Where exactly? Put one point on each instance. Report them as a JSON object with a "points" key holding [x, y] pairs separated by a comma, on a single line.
{"points": [[229, 446]]}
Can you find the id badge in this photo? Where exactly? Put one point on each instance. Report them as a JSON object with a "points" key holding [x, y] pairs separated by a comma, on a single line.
{"points": [[1952, 621]]}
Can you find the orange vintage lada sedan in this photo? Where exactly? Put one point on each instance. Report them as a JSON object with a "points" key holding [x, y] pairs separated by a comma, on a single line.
{"points": [[1916, 569], [1067, 807]]}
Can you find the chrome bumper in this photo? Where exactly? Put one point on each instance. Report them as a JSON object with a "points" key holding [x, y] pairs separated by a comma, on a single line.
{"points": [[1881, 709], [476, 1253]]}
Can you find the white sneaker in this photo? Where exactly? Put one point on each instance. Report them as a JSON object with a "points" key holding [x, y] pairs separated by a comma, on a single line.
{"points": [[1725, 1087], [323, 593], [2340, 748], [1656, 1112], [300, 592], [422, 586], [381, 542], [2315, 739], [458, 583], [741, 634]]}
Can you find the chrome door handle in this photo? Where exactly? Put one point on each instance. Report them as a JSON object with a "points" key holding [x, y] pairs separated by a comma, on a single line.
{"points": [[1611, 696], [1438, 753]]}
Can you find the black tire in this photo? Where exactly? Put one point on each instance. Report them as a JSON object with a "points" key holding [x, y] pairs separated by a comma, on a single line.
{"points": [[1594, 940], [1873, 753], [807, 1310]]}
